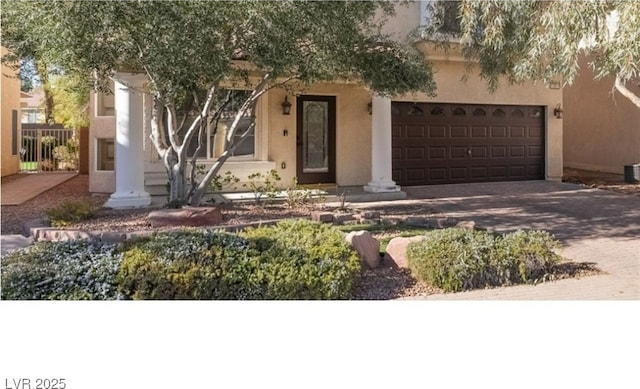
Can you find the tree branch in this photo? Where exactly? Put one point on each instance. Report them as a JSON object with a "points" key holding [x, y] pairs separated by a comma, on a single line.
{"points": [[622, 88]]}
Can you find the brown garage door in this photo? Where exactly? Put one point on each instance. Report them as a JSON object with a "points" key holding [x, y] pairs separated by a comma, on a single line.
{"points": [[457, 143]]}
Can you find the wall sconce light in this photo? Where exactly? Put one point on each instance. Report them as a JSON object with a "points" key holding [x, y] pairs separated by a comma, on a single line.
{"points": [[557, 111], [286, 106], [283, 165], [554, 85], [285, 132], [370, 108]]}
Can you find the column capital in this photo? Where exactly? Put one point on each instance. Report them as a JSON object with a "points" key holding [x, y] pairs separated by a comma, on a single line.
{"points": [[130, 80]]}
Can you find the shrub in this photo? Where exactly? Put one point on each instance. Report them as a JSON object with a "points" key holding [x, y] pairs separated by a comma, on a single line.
{"points": [[459, 259], [292, 260], [189, 264], [301, 259], [70, 211], [71, 270]]}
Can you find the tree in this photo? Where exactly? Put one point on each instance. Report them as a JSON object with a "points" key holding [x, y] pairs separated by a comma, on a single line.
{"points": [[542, 40], [194, 52], [70, 95]]}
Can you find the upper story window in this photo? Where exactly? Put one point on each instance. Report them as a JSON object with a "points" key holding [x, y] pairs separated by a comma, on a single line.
{"points": [[441, 17], [105, 102]]}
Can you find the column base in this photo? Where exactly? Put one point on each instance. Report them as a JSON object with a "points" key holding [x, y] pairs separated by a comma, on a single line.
{"points": [[128, 200], [381, 187]]}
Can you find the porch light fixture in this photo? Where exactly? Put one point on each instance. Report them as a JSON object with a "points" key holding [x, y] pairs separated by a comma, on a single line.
{"points": [[557, 111], [370, 108], [286, 106]]}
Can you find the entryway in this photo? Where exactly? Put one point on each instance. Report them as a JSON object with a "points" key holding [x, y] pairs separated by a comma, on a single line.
{"points": [[316, 139]]}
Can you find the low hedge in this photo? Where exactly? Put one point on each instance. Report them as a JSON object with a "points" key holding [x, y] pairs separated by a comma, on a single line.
{"points": [[70, 270], [291, 260], [458, 259]]}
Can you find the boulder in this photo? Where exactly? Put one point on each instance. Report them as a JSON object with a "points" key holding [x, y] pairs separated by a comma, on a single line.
{"points": [[367, 246], [396, 251], [341, 218], [187, 216]]}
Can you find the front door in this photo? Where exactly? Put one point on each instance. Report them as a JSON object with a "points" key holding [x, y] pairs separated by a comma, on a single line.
{"points": [[316, 139]]}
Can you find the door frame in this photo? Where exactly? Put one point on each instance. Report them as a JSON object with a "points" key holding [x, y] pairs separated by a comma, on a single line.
{"points": [[316, 178]]}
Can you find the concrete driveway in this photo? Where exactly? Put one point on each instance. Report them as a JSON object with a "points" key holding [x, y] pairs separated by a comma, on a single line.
{"points": [[597, 226]]}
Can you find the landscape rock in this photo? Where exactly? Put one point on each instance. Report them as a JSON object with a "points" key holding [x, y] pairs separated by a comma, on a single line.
{"points": [[367, 246], [340, 218], [467, 224], [370, 215], [397, 250], [324, 217], [187, 216]]}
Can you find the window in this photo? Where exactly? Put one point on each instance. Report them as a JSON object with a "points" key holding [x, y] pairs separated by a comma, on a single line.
{"points": [[105, 154], [444, 17], [214, 140]]}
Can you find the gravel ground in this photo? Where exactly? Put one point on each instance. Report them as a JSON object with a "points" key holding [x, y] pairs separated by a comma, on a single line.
{"points": [[386, 282]]}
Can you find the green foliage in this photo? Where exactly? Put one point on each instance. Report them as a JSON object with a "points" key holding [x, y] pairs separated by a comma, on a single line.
{"points": [[71, 211], [71, 270], [305, 260], [263, 185], [293, 260], [70, 95], [227, 182], [542, 40], [459, 259], [67, 154], [184, 265]]}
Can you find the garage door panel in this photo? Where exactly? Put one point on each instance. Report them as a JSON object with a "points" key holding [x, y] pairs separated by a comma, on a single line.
{"points": [[437, 132], [454, 143], [415, 153], [438, 153], [458, 152], [459, 132]]}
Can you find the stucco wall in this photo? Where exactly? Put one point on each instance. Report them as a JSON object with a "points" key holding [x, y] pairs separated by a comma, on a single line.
{"points": [[100, 181], [602, 127], [10, 100], [353, 133]]}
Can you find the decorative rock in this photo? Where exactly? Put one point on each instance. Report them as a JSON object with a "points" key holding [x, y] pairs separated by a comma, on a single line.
{"points": [[367, 246], [467, 224], [324, 217], [29, 227], [188, 216], [415, 220], [397, 250], [370, 215], [340, 218]]}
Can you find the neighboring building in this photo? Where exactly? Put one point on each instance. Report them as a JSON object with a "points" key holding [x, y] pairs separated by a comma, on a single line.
{"points": [[602, 127], [465, 134], [31, 107], [11, 128]]}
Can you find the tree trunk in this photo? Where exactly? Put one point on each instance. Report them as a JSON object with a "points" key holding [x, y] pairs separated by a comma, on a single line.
{"points": [[622, 88]]}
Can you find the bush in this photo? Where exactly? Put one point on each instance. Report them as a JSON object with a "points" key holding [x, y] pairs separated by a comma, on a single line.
{"points": [[70, 211], [189, 264], [459, 259], [71, 270], [305, 260], [292, 260]]}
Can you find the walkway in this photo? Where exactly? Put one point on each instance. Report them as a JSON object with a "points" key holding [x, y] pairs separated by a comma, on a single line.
{"points": [[21, 189], [597, 226]]}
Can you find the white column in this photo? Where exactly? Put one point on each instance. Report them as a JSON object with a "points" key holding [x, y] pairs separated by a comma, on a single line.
{"points": [[381, 147], [129, 156]]}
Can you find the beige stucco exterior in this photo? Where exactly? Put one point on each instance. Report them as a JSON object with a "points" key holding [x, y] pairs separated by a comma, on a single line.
{"points": [[102, 125], [274, 150], [10, 95], [602, 127]]}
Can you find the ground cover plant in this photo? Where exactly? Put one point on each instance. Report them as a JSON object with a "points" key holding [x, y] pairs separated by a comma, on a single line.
{"points": [[69, 212], [291, 260], [456, 259]]}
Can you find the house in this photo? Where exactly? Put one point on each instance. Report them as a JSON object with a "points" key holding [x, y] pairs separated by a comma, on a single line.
{"points": [[31, 108], [340, 133], [601, 127], [11, 127]]}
